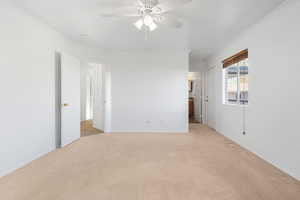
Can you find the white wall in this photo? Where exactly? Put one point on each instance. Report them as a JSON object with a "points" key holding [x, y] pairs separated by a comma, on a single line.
{"points": [[272, 117], [27, 85], [149, 92], [197, 64]]}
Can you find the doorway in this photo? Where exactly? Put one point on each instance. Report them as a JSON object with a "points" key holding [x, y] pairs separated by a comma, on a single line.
{"points": [[81, 90], [195, 97], [93, 97]]}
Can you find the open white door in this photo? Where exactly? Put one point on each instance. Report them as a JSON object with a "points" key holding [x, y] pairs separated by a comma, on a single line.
{"points": [[70, 99], [210, 98], [97, 77]]}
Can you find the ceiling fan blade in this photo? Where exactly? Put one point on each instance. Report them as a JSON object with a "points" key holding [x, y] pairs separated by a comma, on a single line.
{"points": [[115, 16], [168, 20], [122, 11], [118, 7], [113, 4], [167, 5], [148, 2]]}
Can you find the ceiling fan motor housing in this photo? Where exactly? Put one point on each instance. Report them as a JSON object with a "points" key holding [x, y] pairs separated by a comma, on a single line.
{"points": [[149, 3], [149, 7]]}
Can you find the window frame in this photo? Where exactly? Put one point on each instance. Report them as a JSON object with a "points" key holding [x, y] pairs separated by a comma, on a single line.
{"points": [[225, 84]]}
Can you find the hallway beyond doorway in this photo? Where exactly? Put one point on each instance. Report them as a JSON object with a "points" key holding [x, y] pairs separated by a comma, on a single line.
{"points": [[87, 129]]}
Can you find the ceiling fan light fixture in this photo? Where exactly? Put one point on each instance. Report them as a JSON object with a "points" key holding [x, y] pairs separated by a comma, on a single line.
{"points": [[148, 20], [139, 24], [152, 26]]}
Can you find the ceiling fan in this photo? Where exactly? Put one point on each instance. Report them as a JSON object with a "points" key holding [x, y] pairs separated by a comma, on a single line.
{"points": [[149, 13]]}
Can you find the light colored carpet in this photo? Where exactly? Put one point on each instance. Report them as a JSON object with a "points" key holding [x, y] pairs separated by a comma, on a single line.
{"points": [[202, 165], [87, 129]]}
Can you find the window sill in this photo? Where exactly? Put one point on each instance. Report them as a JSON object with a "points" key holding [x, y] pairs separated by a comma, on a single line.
{"points": [[235, 104]]}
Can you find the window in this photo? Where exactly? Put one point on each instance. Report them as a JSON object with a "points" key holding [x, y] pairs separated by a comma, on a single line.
{"points": [[235, 81]]}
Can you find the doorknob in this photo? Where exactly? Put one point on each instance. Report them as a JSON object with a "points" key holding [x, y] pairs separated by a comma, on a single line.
{"points": [[65, 105]]}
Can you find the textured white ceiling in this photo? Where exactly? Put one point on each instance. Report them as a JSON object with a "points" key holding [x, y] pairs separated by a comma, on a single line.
{"points": [[208, 23]]}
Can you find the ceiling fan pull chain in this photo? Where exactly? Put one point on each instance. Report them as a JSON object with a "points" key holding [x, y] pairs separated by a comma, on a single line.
{"points": [[146, 33]]}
